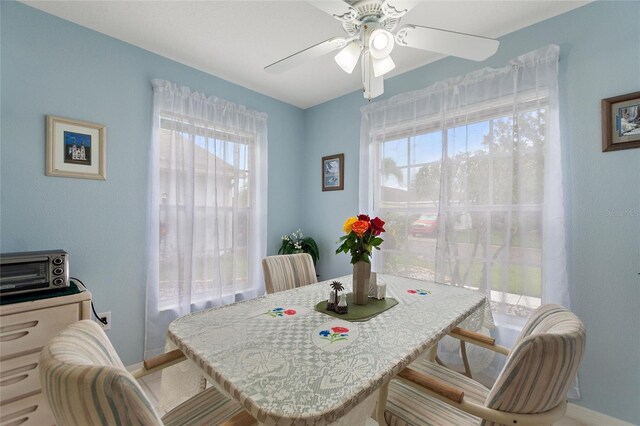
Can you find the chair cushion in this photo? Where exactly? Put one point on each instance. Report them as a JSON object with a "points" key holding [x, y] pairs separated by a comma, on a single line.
{"points": [[407, 405], [86, 384], [207, 408], [288, 271], [542, 364]]}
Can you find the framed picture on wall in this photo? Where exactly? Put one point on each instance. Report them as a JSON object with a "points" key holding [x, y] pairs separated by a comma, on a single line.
{"points": [[621, 122], [76, 149], [333, 172]]}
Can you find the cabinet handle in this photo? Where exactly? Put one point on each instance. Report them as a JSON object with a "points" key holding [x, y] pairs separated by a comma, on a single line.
{"points": [[7, 377], [13, 336], [18, 370], [14, 327], [24, 412], [17, 422], [13, 380]]}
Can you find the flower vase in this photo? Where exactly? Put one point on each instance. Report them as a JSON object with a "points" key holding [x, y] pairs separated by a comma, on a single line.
{"points": [[361, 275]]}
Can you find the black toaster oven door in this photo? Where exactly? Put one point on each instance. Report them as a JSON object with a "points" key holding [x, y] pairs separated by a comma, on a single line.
{"points": [[24, 276]]}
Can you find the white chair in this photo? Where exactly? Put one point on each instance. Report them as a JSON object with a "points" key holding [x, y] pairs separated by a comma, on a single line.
{"points": [[85, 383], [284, 272], [530, 390]]}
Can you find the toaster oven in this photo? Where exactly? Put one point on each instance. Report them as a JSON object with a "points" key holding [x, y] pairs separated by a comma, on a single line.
{"points": [[33, 271]]}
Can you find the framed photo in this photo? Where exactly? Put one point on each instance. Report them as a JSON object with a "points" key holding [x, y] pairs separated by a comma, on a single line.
{"points": [[76, 149], [621, 122], [333, 172]]}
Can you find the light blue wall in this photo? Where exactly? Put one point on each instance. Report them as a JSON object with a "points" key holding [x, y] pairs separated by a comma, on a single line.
{"points": [[600, 58], [50, 66]]}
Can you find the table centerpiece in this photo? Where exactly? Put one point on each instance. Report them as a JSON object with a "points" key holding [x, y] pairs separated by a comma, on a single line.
{"points": [[362, 235]]}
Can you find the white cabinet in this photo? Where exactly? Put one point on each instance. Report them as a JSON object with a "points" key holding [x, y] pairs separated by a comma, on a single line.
{"points": [[25, 328]]}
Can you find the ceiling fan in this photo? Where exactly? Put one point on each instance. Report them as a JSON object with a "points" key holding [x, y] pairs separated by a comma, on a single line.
{"points": [[370, 26]]}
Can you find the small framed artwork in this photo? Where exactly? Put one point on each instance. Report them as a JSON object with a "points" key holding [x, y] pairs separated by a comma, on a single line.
{"points": [[621, 122], [76, 149], [333, 172]]}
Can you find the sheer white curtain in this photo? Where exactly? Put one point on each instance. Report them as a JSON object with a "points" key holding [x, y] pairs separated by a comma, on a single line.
{"points": [[207, 206], [467, 173]]}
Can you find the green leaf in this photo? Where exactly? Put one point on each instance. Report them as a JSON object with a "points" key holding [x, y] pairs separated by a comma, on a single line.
{"points": [[376, 241], [309, 246]]}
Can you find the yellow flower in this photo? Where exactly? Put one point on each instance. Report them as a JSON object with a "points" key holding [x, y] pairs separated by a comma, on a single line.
{"points": [[347, 224]]}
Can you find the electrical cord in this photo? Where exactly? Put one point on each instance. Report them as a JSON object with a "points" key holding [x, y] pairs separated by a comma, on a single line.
{"points": [[92, 308]]}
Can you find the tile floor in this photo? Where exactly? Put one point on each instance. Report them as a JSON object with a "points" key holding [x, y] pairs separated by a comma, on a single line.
{"points": [[151, 386]]}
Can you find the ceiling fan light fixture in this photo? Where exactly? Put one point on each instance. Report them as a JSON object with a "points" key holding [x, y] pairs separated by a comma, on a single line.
{"points": [[381, 43], [348, 57], [382, 66]]}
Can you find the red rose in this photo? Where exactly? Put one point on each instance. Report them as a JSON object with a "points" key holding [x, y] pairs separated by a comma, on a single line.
{"points": [[340, 330], [364, 217], [377, 226], [290, 312]]}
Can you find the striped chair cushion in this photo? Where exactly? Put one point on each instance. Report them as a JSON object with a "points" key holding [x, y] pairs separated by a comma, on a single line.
{"points": [[407, 405], [288, 271], [542, 364], [207, 408], [86, 384]]}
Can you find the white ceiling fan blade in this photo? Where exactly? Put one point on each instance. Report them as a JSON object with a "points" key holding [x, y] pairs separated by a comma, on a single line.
{"points": [[336, 8], [447, 42], [306, 55], [397, 8]]}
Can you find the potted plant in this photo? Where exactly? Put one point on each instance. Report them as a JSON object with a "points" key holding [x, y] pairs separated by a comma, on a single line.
{"points": [[298, 243]]}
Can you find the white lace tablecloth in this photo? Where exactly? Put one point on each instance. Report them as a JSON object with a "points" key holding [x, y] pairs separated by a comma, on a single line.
{"points": [[288, 364]]}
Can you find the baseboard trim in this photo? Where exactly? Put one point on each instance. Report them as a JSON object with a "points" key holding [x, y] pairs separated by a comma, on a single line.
{"points": [[134, 367], [592, 418]]}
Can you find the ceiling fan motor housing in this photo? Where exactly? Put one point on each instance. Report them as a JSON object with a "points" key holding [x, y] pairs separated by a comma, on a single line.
{"points": [[369, 12]]}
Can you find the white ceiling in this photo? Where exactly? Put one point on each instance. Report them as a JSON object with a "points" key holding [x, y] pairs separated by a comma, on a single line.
{"points": [[235, 40]]}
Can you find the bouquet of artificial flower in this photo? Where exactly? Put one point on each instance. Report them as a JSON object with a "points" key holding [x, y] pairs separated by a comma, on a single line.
{"points": [[362, 236]]}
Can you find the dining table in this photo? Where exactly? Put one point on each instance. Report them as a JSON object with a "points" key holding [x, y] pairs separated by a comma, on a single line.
{"points": [[287, 363]]}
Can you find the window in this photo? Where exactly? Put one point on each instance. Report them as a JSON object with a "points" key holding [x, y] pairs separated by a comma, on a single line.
{"points": [[205, 183], [207, 206], [468, 174], [463, 202]]}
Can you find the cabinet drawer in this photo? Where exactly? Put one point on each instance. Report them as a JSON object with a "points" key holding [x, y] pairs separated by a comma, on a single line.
{"points": [[19, 376], [31, 411], [28, 331]]}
